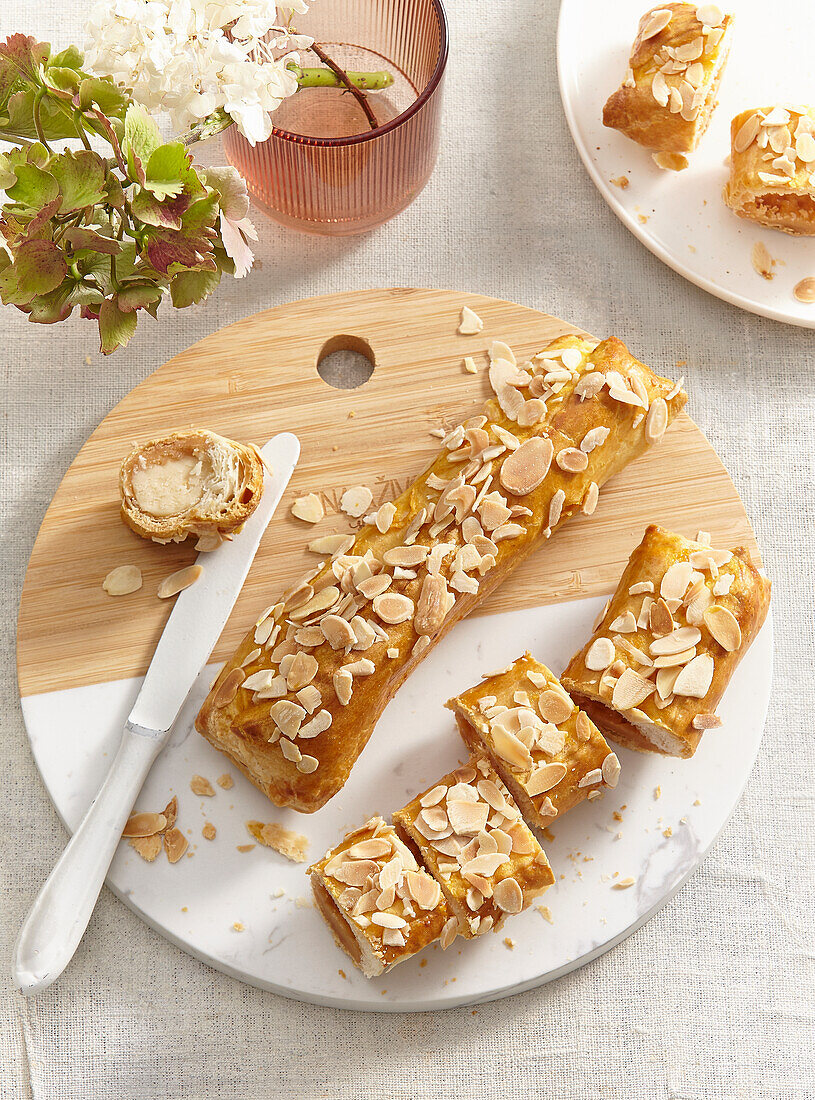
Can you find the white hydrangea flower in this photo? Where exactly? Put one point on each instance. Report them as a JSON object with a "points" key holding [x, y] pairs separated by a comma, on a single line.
{"points": [[193, 57]]}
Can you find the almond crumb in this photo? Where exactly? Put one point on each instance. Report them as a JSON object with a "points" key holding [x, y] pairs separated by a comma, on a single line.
{"points": [[226, 781], [208, 831], [201, 786], [762, 261], [293, 846], [545, 912], [148, 847], [624, 883]]}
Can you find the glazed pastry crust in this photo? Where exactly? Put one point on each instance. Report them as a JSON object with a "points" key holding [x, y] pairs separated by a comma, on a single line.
{"points": [[588, 764], [633, 108], [237, 719], [772, 168], [229, 475], [473, 895], [671, 724], [348, 910]]}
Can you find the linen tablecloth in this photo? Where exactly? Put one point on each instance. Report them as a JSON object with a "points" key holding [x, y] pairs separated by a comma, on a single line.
{"points": [[714, 996]]}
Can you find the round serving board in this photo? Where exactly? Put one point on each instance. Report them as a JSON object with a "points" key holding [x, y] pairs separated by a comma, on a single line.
{"points": [[81, 653]]}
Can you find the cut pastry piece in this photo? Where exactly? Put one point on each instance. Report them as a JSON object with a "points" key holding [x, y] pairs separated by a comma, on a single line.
{"points": [[381, 907], [550, 754], [772, 168], [658, 662], [472, 838], [668, 95], [190, 483], [504, 481]]}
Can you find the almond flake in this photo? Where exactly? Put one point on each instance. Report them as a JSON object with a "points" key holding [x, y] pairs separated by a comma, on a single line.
{"points": [[307, 764], [320, 601], [657, 21], [625, 623], [611, 769], [544, 778], [670, 162], [724, 627], [656, 421], [684, 637], [624, 883], [524, 469], [804, 291], [470, 323], [555, 706], [591, 778], [393, 608], [145, 824], [600, 655], [695, 678], [572, 460], [175, 844], [747, 133], [308, 508], [509, 748], [706, 722], [384, 517], [178, 581], [331, 544], [228, 688], [318, 724], [122, 580], [356, 500], [761, 260], [148, 847], [508, 896], [630, 690], [287, 716], [556, 508]]}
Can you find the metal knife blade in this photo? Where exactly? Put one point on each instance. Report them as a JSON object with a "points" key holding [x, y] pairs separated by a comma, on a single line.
{"points": [[201, 611]]}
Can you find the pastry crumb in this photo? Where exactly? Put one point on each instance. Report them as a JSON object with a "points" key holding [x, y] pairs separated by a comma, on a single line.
{"points": [[237, 926], [642, 218], [546, 913], [148, 847], [624, 883], [470, 323], [279, 892], [343, 975], [668, 832], [225, 781], [470, 365], [697, 802], [670, 162], [293, 846], [657, 793], [620, 181], [509, 944], [302, 903], [201, 786], [208, 832], [245, 847]]}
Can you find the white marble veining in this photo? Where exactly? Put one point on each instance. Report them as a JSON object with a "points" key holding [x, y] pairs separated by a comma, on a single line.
{"points": [[285, 945]]}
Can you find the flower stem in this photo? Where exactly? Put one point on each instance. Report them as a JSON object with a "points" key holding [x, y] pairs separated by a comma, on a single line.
{"points": [[37, 117], [345, 80], [327, 78]]}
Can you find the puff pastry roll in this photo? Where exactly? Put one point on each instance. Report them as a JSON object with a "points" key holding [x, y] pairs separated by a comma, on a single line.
{"points": [[190, 483], [473, 840], [772, 168], [669, 93], [381, 907], [296, 704], [668, 642], [549, 754]]}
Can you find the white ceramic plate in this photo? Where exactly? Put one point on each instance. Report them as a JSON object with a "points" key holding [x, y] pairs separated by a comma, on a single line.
{"points": [[680, 216], [285, 946]]}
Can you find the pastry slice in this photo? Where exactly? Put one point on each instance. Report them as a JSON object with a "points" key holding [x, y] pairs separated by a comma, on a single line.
{"points": [[381, 907], [549, 754], [772, 168], [472, 838], [669, 93], [664, 650], [296, 703], [190, 483]]}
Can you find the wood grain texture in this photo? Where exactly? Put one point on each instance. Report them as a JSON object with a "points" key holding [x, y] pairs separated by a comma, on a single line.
{"points": [[258, 377]]}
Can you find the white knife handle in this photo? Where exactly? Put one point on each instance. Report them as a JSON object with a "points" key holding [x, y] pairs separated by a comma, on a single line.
{"points": [[60, 914]]}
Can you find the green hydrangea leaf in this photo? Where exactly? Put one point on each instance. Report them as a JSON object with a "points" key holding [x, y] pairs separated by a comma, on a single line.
{"points": [[34, 187], [189, 287], [69, 58], [141, 139], [110, 99], [65, 80], [39, 267], [20, 110], [231, 190], [138, 296], [116, 327], [167, 170], [81, 179], [80, 238], [25, 54], [170, 251], [48, 309], [7, 174], [36, 153], [114, 192], [148, 209]]}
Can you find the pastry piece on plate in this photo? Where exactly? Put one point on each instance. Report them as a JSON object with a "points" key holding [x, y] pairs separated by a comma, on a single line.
{"points": [[668, 642], [549, 754], [190, 483], [472, 838], [381, 907], [295, 705], [772, 168], [669, 93]]}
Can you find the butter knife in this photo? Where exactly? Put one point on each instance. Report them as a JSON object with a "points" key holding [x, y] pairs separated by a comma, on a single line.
{"points": [[57, 921]]}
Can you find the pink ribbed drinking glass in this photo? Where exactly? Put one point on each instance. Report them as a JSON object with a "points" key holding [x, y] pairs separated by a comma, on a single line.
{"points": [[324, 170]]}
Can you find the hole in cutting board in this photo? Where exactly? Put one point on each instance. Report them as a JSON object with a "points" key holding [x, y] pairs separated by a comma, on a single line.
{"points": [[345, 362]]}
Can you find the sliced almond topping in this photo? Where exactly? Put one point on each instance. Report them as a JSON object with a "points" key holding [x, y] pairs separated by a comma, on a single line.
{"points": [[318, 724], [145, 824], [665, 679], [630, 690], [302, 671], [393, 608], [523, 470], [657, 21], [337, 632], [591, 498], [583, 726], [724, 627], [467, 818], [508, 896], [486, 864], [555, 706], [470, 323], [544, 778], [611, 769], [309, 697], [287, 716], [178, 581], [556, 508], [228, 688], [676, 580], [591, 778], [320, 601], [710, 14], [122, 580], [175, 844], [308, 508], [625, 623], [509, 748], [343, 685], [600, 655], [384, 517], [307, 764], [684, 637], [706, 722], [362, 667], [448, 933], [747, 133], [356, 500], [572, 460], [596, 437], [696, 677], [656, 421], [660, 618], [432, 606]]}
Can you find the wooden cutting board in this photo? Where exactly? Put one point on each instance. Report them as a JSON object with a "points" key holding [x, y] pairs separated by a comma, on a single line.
{"points": [[258, 377]]}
